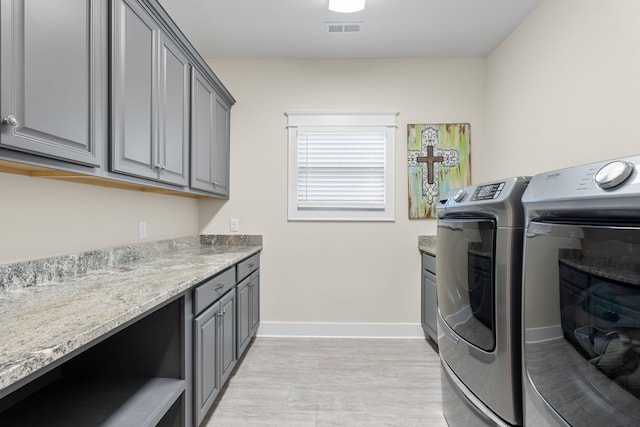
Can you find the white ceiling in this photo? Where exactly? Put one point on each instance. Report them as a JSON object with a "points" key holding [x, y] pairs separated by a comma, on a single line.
{"points": [[390, 28]]}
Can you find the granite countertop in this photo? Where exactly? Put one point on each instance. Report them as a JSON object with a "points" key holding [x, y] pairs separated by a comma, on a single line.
{"points": [[46, 319], [427, 244]]}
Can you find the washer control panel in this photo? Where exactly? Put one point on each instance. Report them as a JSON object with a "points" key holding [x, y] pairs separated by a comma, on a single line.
{"points": [[613, 174], [595, 182]]}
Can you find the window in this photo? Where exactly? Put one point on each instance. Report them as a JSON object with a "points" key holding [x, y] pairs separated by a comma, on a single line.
{"points": [[341, 166]]}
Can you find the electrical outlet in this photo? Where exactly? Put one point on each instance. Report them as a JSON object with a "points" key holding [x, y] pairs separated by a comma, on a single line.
{"points": [[142, 229], [234, 224]]}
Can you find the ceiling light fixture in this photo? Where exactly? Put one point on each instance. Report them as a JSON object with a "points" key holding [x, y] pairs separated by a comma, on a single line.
{"points": [[346, 6]]}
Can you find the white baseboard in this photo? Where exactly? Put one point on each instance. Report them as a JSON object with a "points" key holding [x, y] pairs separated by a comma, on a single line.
{"points": [[341, 330]]}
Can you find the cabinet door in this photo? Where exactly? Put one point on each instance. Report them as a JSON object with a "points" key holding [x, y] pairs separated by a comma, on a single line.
{"points": [[429, 305], [255, 303], [54, 78], [243, 312], [202, 110], [423, 301], [206, 374], [221, 148], [173, 113], [209, 138], [134, 81], [227, 335]]}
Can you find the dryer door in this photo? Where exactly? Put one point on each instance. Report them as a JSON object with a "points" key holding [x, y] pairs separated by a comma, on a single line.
{"points": [[466, 250]]}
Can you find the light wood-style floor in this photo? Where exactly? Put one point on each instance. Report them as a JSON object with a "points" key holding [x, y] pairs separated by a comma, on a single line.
{"points": [[333, 382]]}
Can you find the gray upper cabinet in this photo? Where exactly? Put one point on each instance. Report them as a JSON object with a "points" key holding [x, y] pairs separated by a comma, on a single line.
{"points": [[54, 78], [134, 90], [221, 148], [210, 115], [110, 89], [150, 99], [173, 113]]}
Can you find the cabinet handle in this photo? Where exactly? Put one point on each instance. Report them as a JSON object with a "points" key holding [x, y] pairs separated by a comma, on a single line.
{"points": [[217, 288], [157, 166], [219, 314], [163, 167], [251, 265], [11, 120]]}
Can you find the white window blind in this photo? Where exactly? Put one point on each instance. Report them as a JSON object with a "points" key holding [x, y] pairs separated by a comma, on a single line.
{"points": [[341, 170], [341, 166]]}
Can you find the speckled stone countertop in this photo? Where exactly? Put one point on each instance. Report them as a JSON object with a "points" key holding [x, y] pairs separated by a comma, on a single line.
{"points": [[88, 295], [427, 244]]}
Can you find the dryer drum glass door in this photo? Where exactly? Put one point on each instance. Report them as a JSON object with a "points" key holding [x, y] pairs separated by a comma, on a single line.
{"points": [[466, 278], [582, 320]]}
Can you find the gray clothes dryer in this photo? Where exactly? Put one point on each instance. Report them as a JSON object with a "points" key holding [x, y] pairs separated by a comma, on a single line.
{"points": [[479, 264]]}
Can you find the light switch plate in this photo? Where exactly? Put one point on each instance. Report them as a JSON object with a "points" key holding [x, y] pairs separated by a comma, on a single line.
{"points": [[234, 224]]}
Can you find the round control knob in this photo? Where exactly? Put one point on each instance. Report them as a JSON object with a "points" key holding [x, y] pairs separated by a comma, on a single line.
{"points": [[458, 196], [613, 174]]}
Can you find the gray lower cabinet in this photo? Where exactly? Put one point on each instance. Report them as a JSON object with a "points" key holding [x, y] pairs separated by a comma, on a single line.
{"points": [[53, 84], [429, 297], [248, 295], [248, 299], [210, 117], [163, 369], [243, 300], [254, 297], [214, 352], [227, 316], [150, 98]]}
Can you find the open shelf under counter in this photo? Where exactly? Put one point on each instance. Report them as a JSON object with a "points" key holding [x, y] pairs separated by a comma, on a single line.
{"points": [[103, 402]]}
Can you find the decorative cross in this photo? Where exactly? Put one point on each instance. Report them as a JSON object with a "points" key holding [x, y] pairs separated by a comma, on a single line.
{"points": [[431, 157], [435, 164], [430, 160]]}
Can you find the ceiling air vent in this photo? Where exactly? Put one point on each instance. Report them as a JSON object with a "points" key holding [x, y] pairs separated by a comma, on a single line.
{"points": [[343, 27]]}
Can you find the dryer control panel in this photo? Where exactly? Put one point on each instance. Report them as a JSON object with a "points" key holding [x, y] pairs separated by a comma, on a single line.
{"points": [[499, 199], [488, 191]]}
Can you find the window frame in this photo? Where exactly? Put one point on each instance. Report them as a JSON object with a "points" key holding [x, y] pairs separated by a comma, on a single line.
{"points": [[340, 121]]}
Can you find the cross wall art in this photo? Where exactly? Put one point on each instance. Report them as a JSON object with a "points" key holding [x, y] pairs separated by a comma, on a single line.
{"points": [[439, 159]]}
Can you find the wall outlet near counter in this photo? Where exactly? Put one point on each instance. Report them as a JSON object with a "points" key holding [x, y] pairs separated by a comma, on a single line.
{"points": [[234, 224], [142, 229]]}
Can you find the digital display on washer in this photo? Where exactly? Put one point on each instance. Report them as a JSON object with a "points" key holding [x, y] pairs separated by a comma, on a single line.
{"points": [[487, 192]]}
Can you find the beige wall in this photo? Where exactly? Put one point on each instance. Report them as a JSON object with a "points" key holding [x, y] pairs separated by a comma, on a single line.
{"points": [[334, 272], [41, 218], [563, 89]]}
